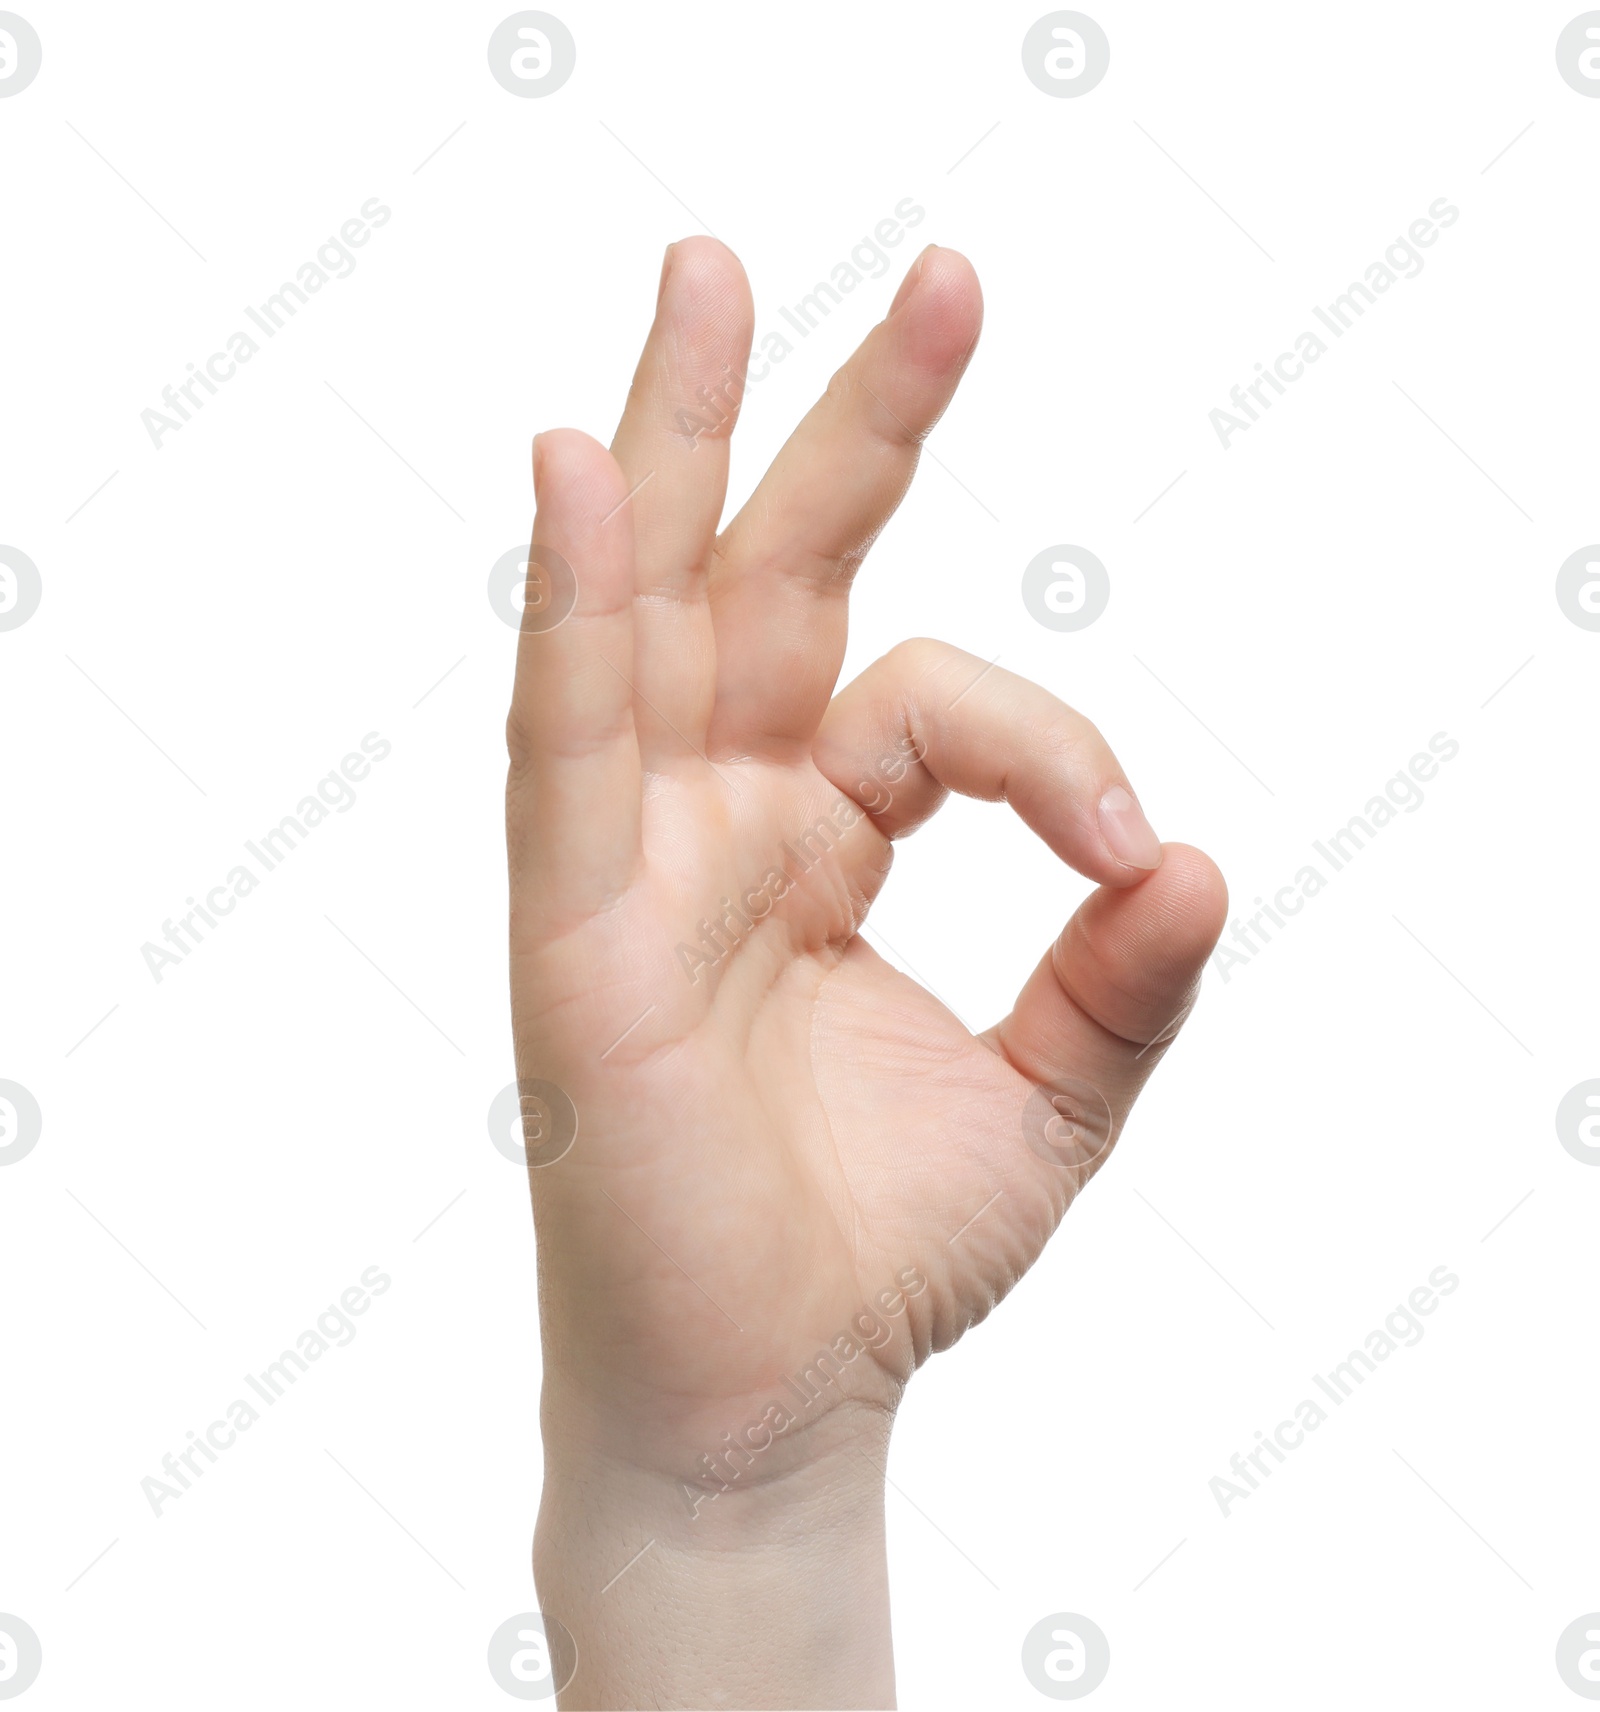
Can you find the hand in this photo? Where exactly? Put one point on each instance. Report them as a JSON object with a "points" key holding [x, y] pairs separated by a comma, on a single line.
{"points": [[778, 1134]]}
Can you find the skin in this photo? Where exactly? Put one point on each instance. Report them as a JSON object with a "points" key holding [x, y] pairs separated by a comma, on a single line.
{"points": [[779, 1132]]}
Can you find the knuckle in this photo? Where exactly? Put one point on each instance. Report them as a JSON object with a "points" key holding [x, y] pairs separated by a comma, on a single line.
{"points": [[1069, 737], [519, 743], [919, 657]]}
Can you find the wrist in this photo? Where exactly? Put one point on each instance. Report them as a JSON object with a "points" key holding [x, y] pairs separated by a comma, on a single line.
{"points": [[713, 1486], [700, 1453], [645, 1560]]}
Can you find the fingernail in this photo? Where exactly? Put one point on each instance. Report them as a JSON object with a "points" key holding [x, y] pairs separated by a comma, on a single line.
{"points": [[909, 284], [666, 268], [1127, 833], [538, 464]]}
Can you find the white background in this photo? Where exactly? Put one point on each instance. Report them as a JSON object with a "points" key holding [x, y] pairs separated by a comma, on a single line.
{"points": [[1353, 1108]]}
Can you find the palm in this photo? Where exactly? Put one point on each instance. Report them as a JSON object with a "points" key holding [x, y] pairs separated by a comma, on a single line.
{"points": [[776, 1127]]}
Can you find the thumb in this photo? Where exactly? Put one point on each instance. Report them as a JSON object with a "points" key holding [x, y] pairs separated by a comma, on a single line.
{"points": [[1105, 1001]]}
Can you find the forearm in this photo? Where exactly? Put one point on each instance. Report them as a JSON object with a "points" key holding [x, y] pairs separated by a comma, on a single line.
{"points": [[771, 1593]]}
